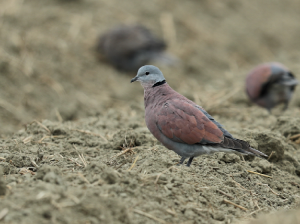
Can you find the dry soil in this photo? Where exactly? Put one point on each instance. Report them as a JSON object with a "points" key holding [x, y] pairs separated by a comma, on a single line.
{"points": [[74, 147]]}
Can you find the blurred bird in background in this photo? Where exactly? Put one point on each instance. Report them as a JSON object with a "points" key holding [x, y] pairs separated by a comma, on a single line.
{"points": [[270, 84], [128, 47]]}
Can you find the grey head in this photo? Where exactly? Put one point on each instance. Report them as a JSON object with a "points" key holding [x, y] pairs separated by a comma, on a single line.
{"points": [[282, 75], [149, 75]]}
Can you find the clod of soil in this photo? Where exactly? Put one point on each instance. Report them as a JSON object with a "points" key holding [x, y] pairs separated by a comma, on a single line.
{"points": [[2, 183], [262, 166], [268, 142], [287, 126]]}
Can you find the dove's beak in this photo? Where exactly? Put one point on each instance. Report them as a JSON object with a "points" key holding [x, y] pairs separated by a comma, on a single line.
{"points": [[134, 79], [292, 82]]}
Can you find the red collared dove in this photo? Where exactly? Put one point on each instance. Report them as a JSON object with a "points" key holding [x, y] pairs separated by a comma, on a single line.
{"points": [[181, 125], [270, 84], [128, 47]]}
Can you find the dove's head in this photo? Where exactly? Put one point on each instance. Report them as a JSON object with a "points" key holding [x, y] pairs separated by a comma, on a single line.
{"points": [[149, 75]]}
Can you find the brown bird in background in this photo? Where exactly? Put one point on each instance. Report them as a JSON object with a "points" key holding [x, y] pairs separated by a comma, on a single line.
{"points": [[128, 47], [270, 84]]}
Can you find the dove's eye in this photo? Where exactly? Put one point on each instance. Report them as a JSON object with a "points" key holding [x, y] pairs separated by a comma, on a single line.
{"points": [[147, 73]]}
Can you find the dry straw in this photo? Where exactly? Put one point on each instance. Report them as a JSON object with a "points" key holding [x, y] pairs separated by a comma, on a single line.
{"points": [[249, 171], [149, 216]]}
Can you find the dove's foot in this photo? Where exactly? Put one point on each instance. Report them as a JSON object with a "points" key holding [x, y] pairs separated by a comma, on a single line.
{"points": [[286, 105], [181, 161], [189, 162]]}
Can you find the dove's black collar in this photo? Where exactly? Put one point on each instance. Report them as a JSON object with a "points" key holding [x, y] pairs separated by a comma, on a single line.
{"points": [[159, 83]]}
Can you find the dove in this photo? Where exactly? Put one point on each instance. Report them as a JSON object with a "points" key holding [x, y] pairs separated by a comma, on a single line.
{"points": [[128, 47], [270, 84], [180, 124]]}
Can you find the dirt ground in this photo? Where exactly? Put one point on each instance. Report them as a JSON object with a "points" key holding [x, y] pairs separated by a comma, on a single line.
{"points": [[74, 146]]}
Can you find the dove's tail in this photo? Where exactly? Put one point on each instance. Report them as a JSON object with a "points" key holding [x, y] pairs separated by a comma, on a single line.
{"points": [[241, 147]]}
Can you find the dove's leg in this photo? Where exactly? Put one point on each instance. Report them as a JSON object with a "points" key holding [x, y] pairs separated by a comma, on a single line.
{"points": [[190, 161], [286, 104], [182, 160]]}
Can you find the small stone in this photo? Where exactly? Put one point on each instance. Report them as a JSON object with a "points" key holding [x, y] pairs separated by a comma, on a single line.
{"points": [[230, 158], [219, 216], [124, 195], [263, 165], [169, 186], [189, 213]]}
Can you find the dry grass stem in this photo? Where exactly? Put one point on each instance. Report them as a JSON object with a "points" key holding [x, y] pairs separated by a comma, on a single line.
{"points": [[256, 204], [272, 190], [269, 188], [41, 140], [27, 139], [157, 178], [295, 136], [236, 205], [81, 157], [270, 155], [200, 209], [91, 133], [122, 164], [121, 153], [238, 184], [83, 178], [3, 213], [255, 211], [222, 192], [172, 212], [43, 126], [59, 117], [74, 162], [2, 158], [34, 163], [249, 171], [149, 216], [133, 164]]}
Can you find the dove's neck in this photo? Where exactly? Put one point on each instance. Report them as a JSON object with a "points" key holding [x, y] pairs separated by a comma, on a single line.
{"points": [[159, 83], [154, 95], [152, 83]]}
